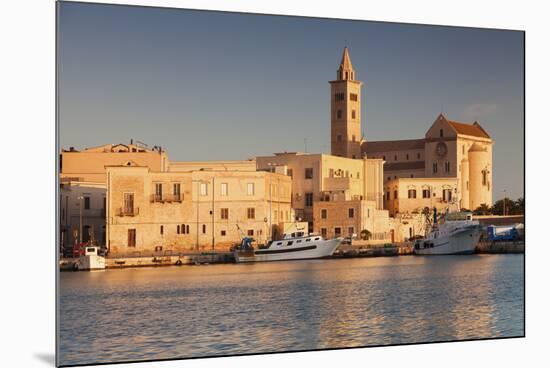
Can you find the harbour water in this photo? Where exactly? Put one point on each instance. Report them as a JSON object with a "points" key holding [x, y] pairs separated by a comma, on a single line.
{"points": [[207, 310]]}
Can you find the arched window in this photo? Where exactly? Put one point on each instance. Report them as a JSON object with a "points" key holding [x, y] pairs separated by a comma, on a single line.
{"points": [[441, 133]]}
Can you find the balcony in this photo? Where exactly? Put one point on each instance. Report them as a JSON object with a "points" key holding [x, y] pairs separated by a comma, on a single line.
{"points": [[127, 212], [166, 198]]}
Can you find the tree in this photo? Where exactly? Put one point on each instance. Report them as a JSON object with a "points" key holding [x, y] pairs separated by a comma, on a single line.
{"points": [[484, 210]]}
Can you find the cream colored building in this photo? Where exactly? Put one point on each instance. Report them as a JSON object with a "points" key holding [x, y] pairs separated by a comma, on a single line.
{"points": [[194, 206], [337, 196], [449, 149], [82, 207]]}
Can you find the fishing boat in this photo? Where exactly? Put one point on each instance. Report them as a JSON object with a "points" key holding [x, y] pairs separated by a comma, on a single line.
{"points": [[455, 233], [90, 260], [293, 246]]}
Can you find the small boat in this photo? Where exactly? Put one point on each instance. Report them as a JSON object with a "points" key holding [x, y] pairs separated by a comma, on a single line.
{"points": [[292, 246], [90, 260], [456, 234]]}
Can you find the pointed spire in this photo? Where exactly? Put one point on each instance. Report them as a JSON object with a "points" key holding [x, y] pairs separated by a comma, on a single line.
{"points": [[346, 71]]}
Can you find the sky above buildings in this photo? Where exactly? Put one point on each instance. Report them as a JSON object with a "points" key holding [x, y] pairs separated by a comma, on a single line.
{"points": [[209, 85]]}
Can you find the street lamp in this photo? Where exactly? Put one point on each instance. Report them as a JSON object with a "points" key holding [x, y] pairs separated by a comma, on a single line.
{"points": [[80, 198]]}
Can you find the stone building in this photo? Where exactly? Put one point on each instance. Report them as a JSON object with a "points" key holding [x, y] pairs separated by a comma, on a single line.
{"points": [[460, 154], [83, 187], [194, 206], [337, 196]]}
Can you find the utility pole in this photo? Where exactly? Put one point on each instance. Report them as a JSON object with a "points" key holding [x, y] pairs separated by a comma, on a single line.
{"points": [[504, 204], [213, 192]]}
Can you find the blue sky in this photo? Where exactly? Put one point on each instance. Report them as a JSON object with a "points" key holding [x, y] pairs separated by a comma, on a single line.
{"points": [[208, 85]]}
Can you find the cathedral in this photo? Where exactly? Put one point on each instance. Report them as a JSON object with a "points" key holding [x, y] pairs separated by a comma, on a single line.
{"points": [[451, 164]]}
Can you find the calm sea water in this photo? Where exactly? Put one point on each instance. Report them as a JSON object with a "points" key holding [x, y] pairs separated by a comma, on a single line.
{"points": [[191, 311]]}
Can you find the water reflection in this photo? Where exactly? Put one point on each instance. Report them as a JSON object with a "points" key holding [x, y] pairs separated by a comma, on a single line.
{"points": [[154, 313]]}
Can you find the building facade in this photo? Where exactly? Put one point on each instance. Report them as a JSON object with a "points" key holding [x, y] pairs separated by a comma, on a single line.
{"points": [[193, 208], [336, 196], [450, 150], [459, 152]]}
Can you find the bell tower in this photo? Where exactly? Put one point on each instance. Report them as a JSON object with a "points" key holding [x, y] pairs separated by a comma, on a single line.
{"points": [[345, 111]]}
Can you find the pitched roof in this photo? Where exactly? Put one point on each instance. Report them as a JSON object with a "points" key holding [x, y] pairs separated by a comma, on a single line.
{"points": [[386, 146], [412, 165], [474, 130], [345, 64]]}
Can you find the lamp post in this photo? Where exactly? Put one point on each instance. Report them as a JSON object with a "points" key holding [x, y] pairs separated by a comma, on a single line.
{"points": [[80, 198]]}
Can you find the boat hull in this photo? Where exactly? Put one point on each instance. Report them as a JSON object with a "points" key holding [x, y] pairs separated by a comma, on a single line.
{"points": [[460, 242], [319, 249]]}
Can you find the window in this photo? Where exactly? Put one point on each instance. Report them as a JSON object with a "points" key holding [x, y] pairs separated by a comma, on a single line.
{"points": [[395, 158], [350, 231], [412, 175], [387, 195], [177, 191], [425, 193], [224, 213], [131, 238], [86, 202], [129, 203], [178, 229], [434, 167], [447, 166], [339, 138], [323, 213], [183, 229], [351, 212], [204, 189], [412, 193], [353, 96], [86, 234], [203, 228], [337, 231], [339, 114], [250, 213], [224, 189], [353, 114], [309, 173], [441, 133], [339, 96], [447, 195], [309, 199], [161, 230], [418, 156], [222, 233], [395, 194], [384, 158], [158, 191], [250, 189], [353, 138], [483, 178], [250, 232], [289, 172]]}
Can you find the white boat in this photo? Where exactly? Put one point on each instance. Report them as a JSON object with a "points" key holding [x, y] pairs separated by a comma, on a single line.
{"points": [[456, 234], [90, 260], [292, 246]]}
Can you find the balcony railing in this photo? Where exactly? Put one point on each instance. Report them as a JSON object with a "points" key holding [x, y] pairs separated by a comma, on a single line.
{"points": [[162, 198], [130, 212]]}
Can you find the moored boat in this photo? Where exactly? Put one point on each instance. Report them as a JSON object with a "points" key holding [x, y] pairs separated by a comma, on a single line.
{"points": [[292, 246], [457, 233]]}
